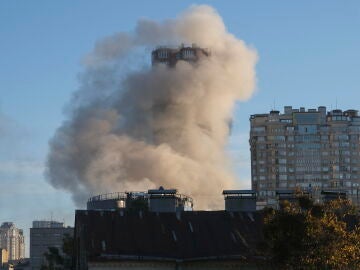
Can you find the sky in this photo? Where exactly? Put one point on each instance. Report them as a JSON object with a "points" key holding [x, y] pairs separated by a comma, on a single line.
{"points": [[308, 56]]}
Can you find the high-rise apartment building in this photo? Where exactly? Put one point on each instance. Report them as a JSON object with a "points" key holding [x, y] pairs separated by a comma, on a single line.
{"points": [[45, 234], [12, 239], [313, 150]]}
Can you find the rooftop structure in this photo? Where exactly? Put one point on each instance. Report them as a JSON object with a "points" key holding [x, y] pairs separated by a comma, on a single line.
{"points": [[329, 195], [155, 200], [312, 149], [240, 200], [290, 195], [47, 224]]}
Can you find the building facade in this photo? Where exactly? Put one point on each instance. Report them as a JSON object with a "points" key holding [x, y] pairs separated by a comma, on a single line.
{"points": [[158, 240], [314, 150], [164, 235], [45, 234], [4, 257], [12, 239]]}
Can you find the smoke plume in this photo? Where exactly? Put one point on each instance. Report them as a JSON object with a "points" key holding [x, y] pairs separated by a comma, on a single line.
{"points": [[134, 127]]}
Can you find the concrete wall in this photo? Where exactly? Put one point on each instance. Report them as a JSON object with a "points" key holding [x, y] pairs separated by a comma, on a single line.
{"points": [[163, 204], [240, 204]]}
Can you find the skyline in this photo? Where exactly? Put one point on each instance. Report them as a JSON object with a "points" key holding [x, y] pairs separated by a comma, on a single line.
{"points": [[42, 62]]}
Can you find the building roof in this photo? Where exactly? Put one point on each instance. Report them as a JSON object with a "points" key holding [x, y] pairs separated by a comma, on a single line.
{"points": [[7, 225], [179, 236]]}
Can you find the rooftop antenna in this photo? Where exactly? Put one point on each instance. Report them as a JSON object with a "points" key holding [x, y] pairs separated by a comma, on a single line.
{"points": [[273, 105], [336, 107]]}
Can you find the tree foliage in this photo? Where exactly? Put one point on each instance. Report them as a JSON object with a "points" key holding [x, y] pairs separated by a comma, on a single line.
{"points": [[60, 260], [54, 260], [305, 235]]}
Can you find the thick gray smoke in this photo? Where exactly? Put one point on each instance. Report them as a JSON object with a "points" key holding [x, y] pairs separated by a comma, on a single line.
{"points": [[133, 127]]}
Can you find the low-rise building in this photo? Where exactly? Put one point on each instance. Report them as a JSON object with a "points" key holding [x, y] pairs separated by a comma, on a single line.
{"points": [[45, 234], [157, 240], [164, 237]]}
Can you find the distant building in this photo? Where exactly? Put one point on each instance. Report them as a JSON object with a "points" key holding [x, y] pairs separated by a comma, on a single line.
{"points": [[45, 234], [12, 239], [313, 150]]}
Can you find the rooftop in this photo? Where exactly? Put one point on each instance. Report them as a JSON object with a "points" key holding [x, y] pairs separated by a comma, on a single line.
{"points": [[170, 236]]}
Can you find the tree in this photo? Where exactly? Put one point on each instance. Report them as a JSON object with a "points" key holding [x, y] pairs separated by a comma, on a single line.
{"points": [[68, 251], [56, 260], [305, 235]]}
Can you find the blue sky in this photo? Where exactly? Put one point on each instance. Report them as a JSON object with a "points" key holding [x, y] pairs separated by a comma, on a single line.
{"points": [[309, 56]]}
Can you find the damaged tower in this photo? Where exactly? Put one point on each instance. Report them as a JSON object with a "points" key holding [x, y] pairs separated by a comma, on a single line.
{"points": [[170, 56]]}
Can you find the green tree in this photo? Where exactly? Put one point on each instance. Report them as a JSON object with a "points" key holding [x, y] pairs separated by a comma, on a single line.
{"points": [[68, 251], [56, 260], [304, 235]]}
